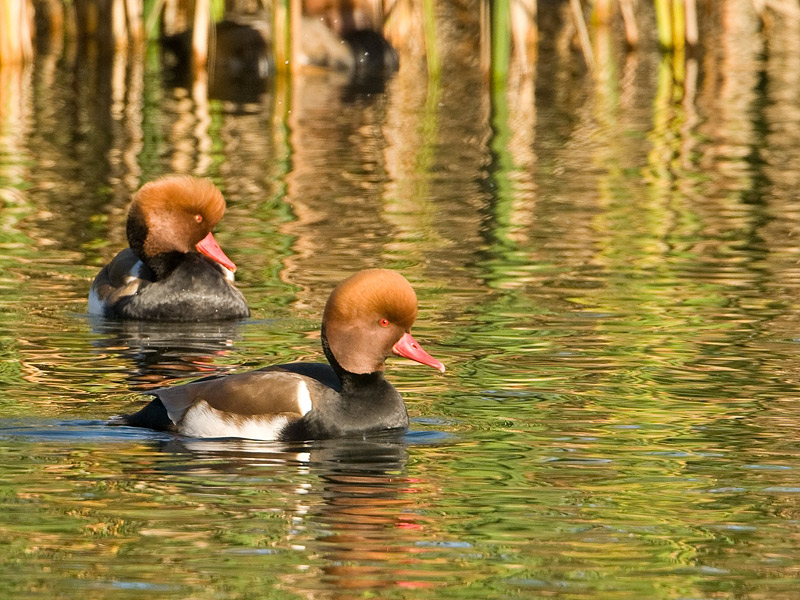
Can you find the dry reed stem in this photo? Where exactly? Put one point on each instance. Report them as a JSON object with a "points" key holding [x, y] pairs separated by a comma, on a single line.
{"points": [[16, 33], [202, 24], [628, 11], [583, 33]]}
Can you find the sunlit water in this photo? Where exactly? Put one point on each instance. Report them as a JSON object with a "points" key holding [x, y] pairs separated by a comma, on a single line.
{"points": [[608, 267]]}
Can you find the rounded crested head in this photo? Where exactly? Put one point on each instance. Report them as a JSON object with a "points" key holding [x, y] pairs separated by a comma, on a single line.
{"points": [[173, 214], [365, 318], [373, 293]]}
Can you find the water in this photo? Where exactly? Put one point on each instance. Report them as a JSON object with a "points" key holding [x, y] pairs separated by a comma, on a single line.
{"points": [[607, 265]]}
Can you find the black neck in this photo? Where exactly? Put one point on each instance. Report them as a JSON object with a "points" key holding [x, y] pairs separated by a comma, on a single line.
{"points": [[165, 263], [136, 231], [366, 403]]}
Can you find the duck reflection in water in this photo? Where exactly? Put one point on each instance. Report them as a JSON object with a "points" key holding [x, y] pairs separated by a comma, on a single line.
{"points": [[368, 528], [351, 506], [163, 352]]}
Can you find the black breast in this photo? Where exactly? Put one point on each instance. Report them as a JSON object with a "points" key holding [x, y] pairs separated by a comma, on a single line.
{"points": [[365, 404], [195, 290]]}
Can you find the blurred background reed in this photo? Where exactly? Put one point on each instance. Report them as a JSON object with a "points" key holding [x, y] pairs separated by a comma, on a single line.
{"points": [[512, 23], [511, 28]]}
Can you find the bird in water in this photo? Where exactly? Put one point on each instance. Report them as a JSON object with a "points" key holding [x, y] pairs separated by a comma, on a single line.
{"points": [[367, 318], [173, 269]]}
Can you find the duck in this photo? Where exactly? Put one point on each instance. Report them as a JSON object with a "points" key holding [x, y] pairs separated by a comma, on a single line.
{"points": [[240, 63], [367, 318], [173, 269]]}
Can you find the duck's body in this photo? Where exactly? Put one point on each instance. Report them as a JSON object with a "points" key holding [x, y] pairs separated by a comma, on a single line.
{"points": [[298, 401], [295, 401], [197, 289], [163, 275]]}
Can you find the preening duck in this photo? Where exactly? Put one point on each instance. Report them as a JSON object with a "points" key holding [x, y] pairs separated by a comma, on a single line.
{"points": [[173, 269]]}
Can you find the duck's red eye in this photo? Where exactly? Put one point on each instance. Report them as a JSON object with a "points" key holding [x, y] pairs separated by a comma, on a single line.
{"points": [[384, 322], [198, 218]]}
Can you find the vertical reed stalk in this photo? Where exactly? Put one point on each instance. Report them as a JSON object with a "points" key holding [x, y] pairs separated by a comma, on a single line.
{"points": [[87, 19], [692, 31], [170, 20], [119, 31], [296, 23], [133, 10], [26, 28], [429, 18], [583, 33], [485, 51], [374, 10], [202, 23], [16, 35], [664, 23], [280, 37], [57, 25], [601, 12], [629, 20], [678, 25], [524, 32], [501, 42]]}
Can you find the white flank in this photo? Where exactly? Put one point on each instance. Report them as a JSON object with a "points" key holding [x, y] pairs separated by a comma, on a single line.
{"points": [[203, 421], [95, 306], [229, 275], [303, 397]]}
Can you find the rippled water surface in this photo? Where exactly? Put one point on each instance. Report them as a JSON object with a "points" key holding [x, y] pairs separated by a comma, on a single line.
{"points": [[606, 262]]}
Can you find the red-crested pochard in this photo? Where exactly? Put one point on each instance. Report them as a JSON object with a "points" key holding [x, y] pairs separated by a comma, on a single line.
{"points": [[174, 270], [367, 318]]}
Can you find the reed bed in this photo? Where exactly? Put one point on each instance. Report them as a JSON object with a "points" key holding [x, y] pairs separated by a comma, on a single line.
{"points": [[512, 27]]}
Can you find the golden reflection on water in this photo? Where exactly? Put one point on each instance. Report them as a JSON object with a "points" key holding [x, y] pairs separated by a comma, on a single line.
{"points": [[606, 260]]}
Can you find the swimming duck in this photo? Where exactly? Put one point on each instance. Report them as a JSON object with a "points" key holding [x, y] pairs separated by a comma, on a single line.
{"points": [[367, 318], [174, 270]]}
